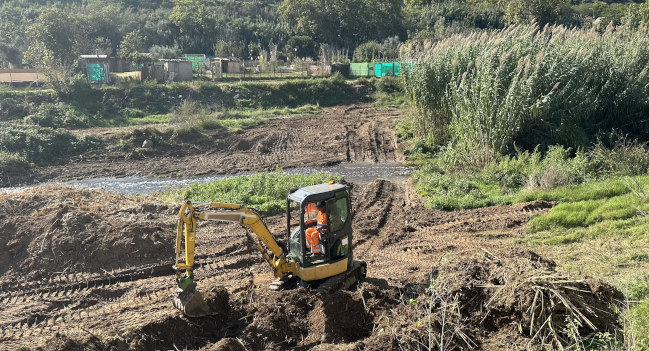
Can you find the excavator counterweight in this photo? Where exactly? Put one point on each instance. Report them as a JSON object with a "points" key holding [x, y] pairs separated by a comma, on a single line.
{"points": [[318, 253]]}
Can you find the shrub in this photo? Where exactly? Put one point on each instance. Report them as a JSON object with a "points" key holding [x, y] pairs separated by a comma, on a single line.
{"points": [[58, 115], [43, 146]]}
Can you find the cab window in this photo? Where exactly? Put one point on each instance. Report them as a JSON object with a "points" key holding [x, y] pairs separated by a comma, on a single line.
{"points": [[338, 214]]}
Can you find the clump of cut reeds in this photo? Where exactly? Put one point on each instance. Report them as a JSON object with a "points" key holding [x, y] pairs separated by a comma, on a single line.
{"points": [[530, 86], [516, 298]]}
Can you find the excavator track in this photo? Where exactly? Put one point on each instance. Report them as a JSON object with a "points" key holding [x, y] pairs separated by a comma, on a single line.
{"points": [[345, 280]]}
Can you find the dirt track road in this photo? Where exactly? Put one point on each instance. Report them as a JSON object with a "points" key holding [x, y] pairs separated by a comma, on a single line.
{"points": [[52, 288], [354, 133]]}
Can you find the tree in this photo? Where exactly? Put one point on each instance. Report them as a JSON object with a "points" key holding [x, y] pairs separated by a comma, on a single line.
{"points": [[301, 46], [191, 16], [132, 44], [343, 23], [541, 11], [104, 46], [366, 52], [9, 55], [131, 47], [637, 14], [229, 48], [164, 52], [197, 25], [390, 48], [57, 36]]}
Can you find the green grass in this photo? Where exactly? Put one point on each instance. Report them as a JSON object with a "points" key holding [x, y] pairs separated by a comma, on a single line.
{"points": [[583, 192], [389, 100], [151, 119], [640, 316], [586, 213], [265, 192]]}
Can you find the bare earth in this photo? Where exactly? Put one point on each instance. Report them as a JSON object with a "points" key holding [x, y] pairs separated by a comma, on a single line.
{"points": [[355, 133], [87, 269]]}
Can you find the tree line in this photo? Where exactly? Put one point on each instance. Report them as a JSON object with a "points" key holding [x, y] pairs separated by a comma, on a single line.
{"points": [[46, 32]]}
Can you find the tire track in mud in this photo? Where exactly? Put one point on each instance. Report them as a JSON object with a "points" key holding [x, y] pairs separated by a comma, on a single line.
{"points": [[356, 133], [400, 241], [409, 239]]}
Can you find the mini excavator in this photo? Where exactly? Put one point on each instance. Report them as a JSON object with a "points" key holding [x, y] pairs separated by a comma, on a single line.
{"points": [[332, 268]]}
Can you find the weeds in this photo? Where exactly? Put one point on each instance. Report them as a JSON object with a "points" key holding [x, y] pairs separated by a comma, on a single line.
{"points": [[448, 183], [265, 192]]}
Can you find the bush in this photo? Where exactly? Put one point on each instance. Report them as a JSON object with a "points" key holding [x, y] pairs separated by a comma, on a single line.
{"points": [[12, 106], [58, 115], [43, 146]]}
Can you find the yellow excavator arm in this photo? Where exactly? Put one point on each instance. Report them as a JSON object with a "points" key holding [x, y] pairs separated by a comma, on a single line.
{"points": [[191, 302], [225, 212]]}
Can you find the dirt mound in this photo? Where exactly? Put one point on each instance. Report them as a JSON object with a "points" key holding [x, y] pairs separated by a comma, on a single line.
{"points": [[305, 318], [227, 344], [339, 317], [516, 298], [59, 230]]}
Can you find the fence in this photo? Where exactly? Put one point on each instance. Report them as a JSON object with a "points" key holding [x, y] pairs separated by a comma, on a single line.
{"points": [[363, 69], [18, 75]]}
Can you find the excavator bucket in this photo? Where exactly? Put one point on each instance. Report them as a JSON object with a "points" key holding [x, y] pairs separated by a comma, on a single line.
{"points": [[191, 302]]}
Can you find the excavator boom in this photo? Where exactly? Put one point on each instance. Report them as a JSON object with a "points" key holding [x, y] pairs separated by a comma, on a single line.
{"points": [[187, 299], [331, 270]]}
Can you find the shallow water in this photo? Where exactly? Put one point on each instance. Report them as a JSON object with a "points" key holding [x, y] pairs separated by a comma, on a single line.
{"points": [[355, 172]]}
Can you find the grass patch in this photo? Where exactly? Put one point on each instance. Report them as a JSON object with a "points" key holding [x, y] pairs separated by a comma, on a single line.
{"points": [[266, 192], [151, 119], [446, 182], [639, 315], [586, 213]]}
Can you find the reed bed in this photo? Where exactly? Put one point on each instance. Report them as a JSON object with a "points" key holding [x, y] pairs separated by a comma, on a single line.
{"points": [[485, 92]]}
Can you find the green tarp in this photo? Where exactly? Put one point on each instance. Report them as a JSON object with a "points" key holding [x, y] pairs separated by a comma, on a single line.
{"points": [[364, 69], [96, 72], [197, 62], [387, 69]]}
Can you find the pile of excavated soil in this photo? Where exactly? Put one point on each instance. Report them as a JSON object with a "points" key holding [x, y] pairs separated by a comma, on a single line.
{"points": [[305, 318], [58, 230], [512, 301]]}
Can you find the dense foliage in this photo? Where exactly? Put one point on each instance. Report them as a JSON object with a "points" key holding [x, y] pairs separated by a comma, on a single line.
{"points": [[484, 93], [48, 31]]}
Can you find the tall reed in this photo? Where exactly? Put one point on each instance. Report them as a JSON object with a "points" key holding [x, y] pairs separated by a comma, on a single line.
{"points": [[485, 92]]}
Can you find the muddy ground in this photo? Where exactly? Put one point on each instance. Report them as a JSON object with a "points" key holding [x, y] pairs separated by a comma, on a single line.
{"points": [[349, 133], [86, 269], [91, 270]]}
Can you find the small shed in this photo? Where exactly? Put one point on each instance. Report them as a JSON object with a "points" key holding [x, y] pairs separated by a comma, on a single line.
{"points": [[97, 67], [178, 70], [229, 65]]}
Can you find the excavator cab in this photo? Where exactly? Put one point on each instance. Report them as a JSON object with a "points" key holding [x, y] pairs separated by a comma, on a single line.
{"points": [[335, 237]]}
